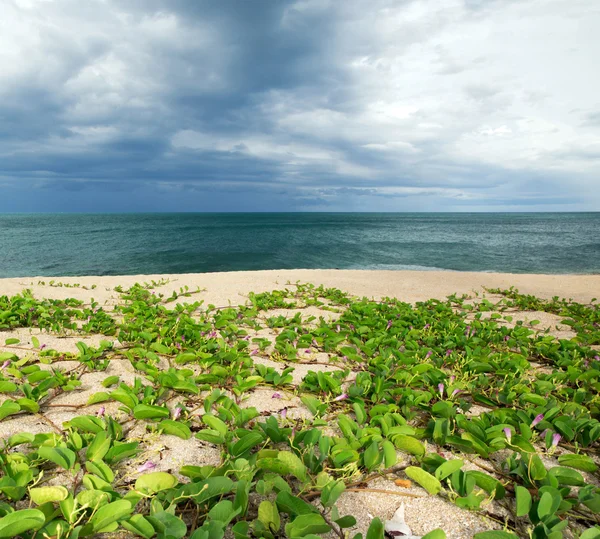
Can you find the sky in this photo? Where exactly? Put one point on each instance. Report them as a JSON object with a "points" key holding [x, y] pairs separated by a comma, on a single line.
{"points": [[299, 105]]}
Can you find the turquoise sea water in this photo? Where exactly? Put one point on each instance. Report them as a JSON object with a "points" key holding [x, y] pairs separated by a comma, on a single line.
{"points": [[113, 244]]}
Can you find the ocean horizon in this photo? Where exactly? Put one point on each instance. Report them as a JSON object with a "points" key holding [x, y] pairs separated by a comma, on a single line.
{"points": [[79, 244]]}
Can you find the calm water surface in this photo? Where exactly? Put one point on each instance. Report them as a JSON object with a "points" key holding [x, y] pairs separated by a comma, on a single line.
{"points": [[115, 244]]}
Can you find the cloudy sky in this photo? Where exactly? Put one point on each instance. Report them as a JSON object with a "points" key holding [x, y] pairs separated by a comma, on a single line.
{"points": [[282, 105]]}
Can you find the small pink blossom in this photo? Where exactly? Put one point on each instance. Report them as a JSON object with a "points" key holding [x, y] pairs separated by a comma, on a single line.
{"points": [[283, 413], [5, 364], [597, 358], [341, 397], [389, 324], [276, 395], [146, 467], [506, 337], [426, 326], [452, 378], [101, 411], [43, 346], [555, 439], [538, 419], [508, 433], [429, 354], [448, 352], [177, 412], [441, 390], [455, 392], [254, 352]]}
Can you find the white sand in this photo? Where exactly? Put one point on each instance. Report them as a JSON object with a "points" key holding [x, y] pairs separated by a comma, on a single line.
{"points": [[410, 286]]}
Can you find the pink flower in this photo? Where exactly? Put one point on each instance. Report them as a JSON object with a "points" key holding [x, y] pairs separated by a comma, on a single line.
{"points": [[283, 413], [426, 326], [452, 378], [276, 395], [597, 358], [42, 347], [254, 352], [508, 434], [506, 337], [341, 397], [441, 390], [5, 364], [448, 352], [429, 354], [389, 324], [100, 412], [555, 439], [146, 467], [176, 412], [538, 419], [455, 392]]}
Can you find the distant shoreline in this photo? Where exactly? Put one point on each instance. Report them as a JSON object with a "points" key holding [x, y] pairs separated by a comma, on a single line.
{"points": [[220, 288]]}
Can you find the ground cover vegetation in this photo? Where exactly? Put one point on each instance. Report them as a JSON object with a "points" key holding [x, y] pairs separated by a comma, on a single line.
{"points": [[490, 415]]}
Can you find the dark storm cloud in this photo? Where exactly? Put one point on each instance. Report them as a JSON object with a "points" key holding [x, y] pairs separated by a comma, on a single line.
{"points": [[242, 104]]}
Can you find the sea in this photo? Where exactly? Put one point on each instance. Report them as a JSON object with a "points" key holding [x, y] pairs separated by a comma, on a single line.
{"points": [[150, 243]]}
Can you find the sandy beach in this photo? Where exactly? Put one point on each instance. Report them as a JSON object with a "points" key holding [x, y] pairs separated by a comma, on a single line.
{"points": [[423, 513], [232, 287]]}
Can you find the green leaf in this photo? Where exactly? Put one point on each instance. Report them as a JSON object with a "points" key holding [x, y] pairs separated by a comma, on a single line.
{"points": [[92, 498], [61, 456], [523, 501], [147, 411], [211, 436], [347, 521], [215, 423], [448, 468], [139, 525], [372, 456], [171, 527], [11, 341], [154, 482], [96, 398], [331, 492], [591, 533], [19, 522], [9, 407], [110, 381], [269, 516], [292, 505], [495, 534], [376, 529], [110, 513], [42, 495], [294, 465], [304, 525], [409, 445], [438, 533], [99, 447], [87, 423], [175, 428], [425, 479], [567, 476], [579, 462], [7, 387], [246, 443]]}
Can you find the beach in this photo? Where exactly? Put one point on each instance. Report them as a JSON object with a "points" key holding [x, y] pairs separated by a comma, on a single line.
{"points": [[233, 287], [383, 497]]}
